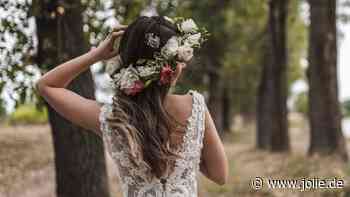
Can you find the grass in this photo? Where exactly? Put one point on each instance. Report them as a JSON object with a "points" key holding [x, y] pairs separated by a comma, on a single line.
{"points": [[28, 114]]}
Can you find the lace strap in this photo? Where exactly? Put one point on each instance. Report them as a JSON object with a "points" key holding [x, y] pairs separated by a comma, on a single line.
{"points": [[201, 119], [197, 122]]}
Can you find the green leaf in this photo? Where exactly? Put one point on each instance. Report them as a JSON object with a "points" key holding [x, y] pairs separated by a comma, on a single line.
{"points": [[148, 82]]}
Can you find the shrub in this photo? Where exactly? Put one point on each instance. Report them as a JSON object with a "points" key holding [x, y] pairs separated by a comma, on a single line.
{"points": [[28, 114], [301, 103], [2, 108], [346, 108]]}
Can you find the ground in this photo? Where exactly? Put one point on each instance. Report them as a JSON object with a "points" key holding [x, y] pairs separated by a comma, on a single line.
{"points": [[27, 168]]}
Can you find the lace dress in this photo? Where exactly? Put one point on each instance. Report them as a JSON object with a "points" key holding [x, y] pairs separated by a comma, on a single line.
{"points": [[182, 181]]}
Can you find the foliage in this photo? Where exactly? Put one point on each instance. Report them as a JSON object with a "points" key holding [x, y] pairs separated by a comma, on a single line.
{"points": [[16, 50], [239, 28], [2, 108], [28, 114], [242, 63], [301, 103], [346, 107], [297, 42]]}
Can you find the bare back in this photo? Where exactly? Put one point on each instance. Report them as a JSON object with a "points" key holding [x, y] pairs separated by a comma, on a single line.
{"points": [[214, 163]]}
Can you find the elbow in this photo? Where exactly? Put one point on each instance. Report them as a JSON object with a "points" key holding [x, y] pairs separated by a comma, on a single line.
{"points": [[222, 175], [218, 177], [222, 180]]}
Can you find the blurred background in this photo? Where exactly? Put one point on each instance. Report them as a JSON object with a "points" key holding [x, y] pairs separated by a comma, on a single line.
{"points": [[274, 73]]}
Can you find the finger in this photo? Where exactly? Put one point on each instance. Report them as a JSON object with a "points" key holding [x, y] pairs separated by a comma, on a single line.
{"points": [[115, 35], [116, 29], [112, 54], [119, 27]]}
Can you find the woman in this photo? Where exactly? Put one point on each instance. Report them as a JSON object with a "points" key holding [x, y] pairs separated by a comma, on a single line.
{"points": [[158, 140]]}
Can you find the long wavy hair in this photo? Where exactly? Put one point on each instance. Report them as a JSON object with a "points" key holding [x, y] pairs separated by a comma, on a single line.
{"points": [[142, 119]]}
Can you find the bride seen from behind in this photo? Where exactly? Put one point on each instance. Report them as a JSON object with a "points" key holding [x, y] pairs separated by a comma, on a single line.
{"points": [[159, 141]]}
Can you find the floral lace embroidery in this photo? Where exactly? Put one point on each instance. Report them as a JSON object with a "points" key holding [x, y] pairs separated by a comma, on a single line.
{"points": [[182, 182]]}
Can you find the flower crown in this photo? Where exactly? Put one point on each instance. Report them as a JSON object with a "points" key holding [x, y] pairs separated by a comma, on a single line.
{"points": [[133, 79]]}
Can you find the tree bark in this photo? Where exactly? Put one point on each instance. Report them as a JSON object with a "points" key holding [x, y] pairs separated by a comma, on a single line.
{"points": [[215, 100], [324, 109], [79, 154], [214, 51], [272, 123], [226, 111]]}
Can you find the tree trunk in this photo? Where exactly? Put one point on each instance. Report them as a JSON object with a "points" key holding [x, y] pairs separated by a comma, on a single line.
{"points": [[79, 154], [324, 110], [272, 123], [226, 111], [214, 51], [215, 100]]}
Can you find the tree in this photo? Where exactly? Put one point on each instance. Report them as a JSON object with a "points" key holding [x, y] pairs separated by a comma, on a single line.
{"points": [[16, 52], [212, 52], [241, 75], [324, 114], [79, 154], [237, 55], [272, 123]]}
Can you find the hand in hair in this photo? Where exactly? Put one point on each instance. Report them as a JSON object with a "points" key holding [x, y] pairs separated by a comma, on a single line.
{"points": [[105, 49]]}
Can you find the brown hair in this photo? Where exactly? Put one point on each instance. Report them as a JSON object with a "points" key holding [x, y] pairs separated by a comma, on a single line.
{"points": [[142, 118]]}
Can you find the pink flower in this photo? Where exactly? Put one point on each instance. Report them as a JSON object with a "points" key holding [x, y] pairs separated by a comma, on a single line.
{"points": [[136, 88], [166, 74]]}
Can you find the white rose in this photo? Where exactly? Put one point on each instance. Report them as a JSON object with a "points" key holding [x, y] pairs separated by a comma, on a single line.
{"points": [[127, 77], [170, 48], [188, 26], [193, 39], [185, 53]]}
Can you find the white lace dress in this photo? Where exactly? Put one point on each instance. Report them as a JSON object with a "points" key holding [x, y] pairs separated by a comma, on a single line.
{"points": [[182, 182]]}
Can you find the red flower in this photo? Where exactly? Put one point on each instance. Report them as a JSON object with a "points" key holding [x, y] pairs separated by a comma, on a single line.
{"points": [[166, 74], [136, 88]]}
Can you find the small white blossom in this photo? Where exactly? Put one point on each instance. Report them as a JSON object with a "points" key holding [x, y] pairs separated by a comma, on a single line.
{"points": [[185, 53], [188, 26], [152, 40], [169, 19], [112, 65], [145, 71], [193, 39], [170, 48]]}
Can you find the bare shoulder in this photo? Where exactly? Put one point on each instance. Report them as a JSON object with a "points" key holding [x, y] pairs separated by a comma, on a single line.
{"points": [[180, 106]]}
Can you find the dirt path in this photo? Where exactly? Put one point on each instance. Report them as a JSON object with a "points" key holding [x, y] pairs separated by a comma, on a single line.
{"points": [[27, 166], [247, 163], [26, 156]]}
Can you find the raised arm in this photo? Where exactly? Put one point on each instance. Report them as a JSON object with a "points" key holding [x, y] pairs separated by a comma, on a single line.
{"points": [[214, 164], [75, 108]]}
